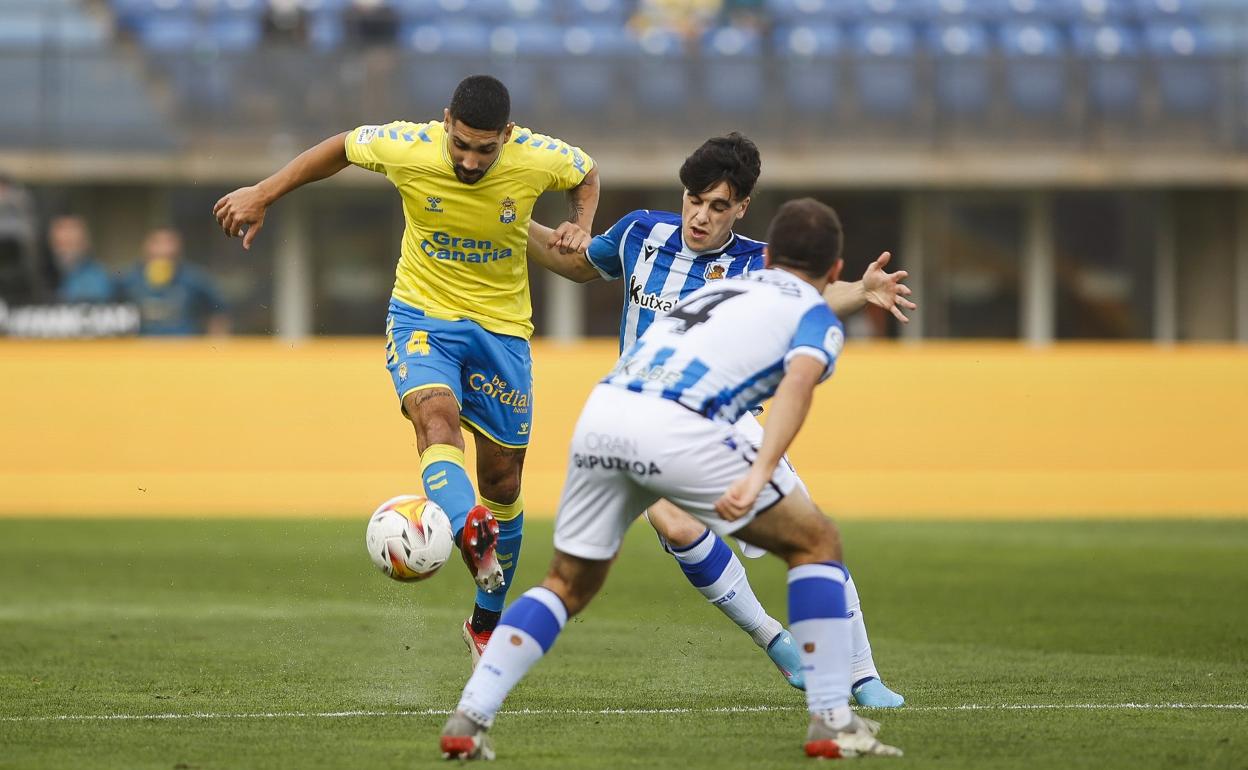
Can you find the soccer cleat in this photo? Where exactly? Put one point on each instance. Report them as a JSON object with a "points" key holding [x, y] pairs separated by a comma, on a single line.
{"points": [[783, 652], [854, 739], [476, 642], [875, 694], [462, 738], [477, 542]]}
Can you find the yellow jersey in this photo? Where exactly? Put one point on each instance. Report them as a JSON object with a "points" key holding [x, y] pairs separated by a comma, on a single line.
{"points": [[464, 252]]}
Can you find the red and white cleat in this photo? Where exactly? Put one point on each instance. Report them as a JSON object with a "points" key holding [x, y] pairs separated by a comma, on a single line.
{"points": [[463, 738], [855, 739], [477, 543], [476, 642]]}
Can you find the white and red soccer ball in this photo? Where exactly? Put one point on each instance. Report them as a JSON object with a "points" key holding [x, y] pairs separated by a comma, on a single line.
{"points": [[409, 538]]}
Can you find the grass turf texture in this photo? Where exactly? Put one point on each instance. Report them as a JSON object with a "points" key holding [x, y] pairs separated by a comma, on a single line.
{"points": [[236, 617]]}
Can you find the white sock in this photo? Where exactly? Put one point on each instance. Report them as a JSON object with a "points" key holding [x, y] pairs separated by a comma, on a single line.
{"points": [[860, 645], [525, 633], [821, 631], [717, 573]]}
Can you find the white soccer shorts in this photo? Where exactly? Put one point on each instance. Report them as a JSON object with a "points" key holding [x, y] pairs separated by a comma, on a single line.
{"points": [[629, 450]]}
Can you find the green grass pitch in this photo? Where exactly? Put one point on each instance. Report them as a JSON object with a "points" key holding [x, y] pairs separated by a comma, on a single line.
{"points": [[268, 628]]}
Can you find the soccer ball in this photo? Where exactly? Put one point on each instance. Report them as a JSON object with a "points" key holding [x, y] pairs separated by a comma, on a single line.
{"points": [[409, 538]]}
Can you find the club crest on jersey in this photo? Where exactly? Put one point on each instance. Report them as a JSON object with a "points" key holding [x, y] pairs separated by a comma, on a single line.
{"points": [[434, 203], [507, 214], [715, 272], [402, 372]]}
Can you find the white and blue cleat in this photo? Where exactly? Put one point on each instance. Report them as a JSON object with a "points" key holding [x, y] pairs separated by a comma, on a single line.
{"points": [[873, 693], [783, 652]]}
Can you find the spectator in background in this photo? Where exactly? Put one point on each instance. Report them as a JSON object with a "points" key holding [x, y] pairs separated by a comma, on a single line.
{"points": [[174, 298], [82, 278], [21, 280], [371, 22], [746, 14], [688, 18], [286, 21]]}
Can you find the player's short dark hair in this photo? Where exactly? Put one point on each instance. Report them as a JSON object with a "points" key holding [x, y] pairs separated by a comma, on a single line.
{"points": [[733, 159], [805, 235], [481, 102]]}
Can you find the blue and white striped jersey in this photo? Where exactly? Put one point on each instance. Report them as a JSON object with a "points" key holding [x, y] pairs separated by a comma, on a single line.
{"points": [[646, 249], [726, 346]]}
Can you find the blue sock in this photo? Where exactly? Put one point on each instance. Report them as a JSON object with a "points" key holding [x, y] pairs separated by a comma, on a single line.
{"points": [[510, 533], [716, 572], [527, 631], [820, 627], [446, 483]]}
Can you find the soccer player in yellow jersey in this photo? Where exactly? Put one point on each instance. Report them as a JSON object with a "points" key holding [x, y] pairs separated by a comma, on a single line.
{"points": [[457, 334]]}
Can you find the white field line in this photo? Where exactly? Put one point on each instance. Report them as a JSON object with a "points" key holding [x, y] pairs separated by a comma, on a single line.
{"points": [[198, 715]]}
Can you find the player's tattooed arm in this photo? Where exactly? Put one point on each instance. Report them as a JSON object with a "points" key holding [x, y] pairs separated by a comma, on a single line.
{"points": [[877, 287], [573, 236], [573, 265]]}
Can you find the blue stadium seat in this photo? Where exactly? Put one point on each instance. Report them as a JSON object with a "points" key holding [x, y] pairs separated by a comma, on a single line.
{"points": [[962, 76], [23, 31], [133, 13], [1098, 10], [586, 77], [808, 56], [1167, 10], [593, 12], [1035, 69], [459, 38], [733, 79], [445, 53], [810, 11], [412, 11], [888, 10], [169, 32], [885, 77], [325, 30], [661, 80], [1019, 10], [1184, 62], [235, 32], [525, 48], [1111, 55], [531, 10]]}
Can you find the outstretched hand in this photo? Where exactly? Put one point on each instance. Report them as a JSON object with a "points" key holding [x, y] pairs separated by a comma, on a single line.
{"points": [[241, 214], [887, 290]]}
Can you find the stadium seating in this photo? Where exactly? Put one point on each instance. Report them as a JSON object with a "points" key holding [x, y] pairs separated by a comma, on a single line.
{"points": [[962, 73], [809, 56], [1035, 69], [885, 69], [1110, 57], [1035, 60], [732, 76]]}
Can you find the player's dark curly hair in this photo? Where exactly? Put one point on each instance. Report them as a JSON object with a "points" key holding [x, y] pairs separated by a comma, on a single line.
{"points": [[733, 159], [805, 235], [481, 102]]}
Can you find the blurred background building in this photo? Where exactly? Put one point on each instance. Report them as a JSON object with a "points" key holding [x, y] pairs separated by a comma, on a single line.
{"points": [[1045, 169]]}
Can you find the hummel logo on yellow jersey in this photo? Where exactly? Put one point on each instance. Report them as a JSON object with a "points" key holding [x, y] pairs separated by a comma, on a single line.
{"points": [[434, 203]]}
